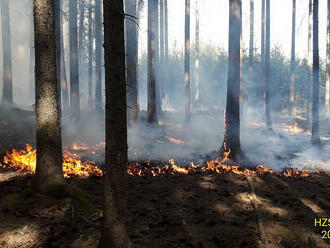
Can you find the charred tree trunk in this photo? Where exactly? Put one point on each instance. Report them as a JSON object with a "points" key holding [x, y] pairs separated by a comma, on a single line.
{"points": [[316, 67], [132, 61], [152, 111], [310, 60], [48, 138], [114, 228], [327, 101], [293, 60], [74, 67], [7, 92], [197, 93], [98, 56], [90, 55], [267, 66], [251, 50], [187, 61], [231, 143]]}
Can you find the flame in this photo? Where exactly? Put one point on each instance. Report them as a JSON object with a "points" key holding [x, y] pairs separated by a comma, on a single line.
{"points": [[295, 128], [226, 156], [25, 161], [257, 124], [174, 140]]}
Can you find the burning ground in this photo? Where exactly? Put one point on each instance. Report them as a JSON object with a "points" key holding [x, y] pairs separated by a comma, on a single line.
{"points": [[181, 206]]}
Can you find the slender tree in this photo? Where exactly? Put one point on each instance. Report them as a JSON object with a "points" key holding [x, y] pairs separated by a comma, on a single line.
{"points": [[309, 59], [166, 33], [7, 92], [187, 61], [315, 108], [98, 56], [90, 54], [64, 81], [161, 49], [152, 111], [251, 49], [114, 228], [157, 53], [197, 93], [57, 9], [31, 58], [328, 64], [139, 11], [231, 143], [81, 27], [293, 59], [131, 61], [48, 138], [74, 71], [267, 66]]}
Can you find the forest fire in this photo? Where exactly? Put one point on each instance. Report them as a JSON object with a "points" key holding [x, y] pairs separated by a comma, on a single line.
{"points": [[25, 161], [295, 128], [174, 140]]}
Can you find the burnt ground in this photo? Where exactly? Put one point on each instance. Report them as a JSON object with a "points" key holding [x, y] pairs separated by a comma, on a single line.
{"points": [[208, 210]]}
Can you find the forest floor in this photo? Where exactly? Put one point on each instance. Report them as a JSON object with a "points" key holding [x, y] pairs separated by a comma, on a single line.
{"points": [[208, 210]]}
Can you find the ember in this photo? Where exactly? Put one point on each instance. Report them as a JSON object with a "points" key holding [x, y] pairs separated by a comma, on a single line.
{"points": [[295, 128]]}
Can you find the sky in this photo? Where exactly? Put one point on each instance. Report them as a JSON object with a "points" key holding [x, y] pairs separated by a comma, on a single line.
{"points": [[214, 16]]}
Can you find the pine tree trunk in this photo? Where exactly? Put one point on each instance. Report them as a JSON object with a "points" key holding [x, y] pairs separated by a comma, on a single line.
{"points": [[152, 111], [57, 9], [316, 67], [81, 28], [31, 61], [90, 55], [7, 92], [267, 66], [132, 61], [114, 228], [158, 86], [98, 56], [231, 142], [293, 60], [328, 64], [262, 47], [187, 61], [197, 92], [74, 71], [251, 50], [310, 60], [162, 50], [48, 137], [166, 34], [64, 81], [140, 8]]}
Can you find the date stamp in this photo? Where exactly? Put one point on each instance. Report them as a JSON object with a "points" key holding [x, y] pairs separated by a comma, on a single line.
{"points": [[324, 225]]}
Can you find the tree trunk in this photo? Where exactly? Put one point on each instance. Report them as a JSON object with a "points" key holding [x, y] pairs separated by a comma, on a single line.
{"points": [[152, 111], [132, 61], [251, 50], [293, 60], [90, 55], [48, 137], [74, 71], [197, 93], [267, 66], [162, 50], [310, 60], [327, 102], [315, 109], [140, 8], [262, 47], [57, 9], [64, 81], [187, 61], [166, 34], [7, 92], [231, 142], [114, 228], [31, 60], [98, 56], [158, 86], [81, 28]]}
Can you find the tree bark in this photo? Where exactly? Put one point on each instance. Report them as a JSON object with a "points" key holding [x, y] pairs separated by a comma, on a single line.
{"points": [[162, 50], [132, 61], [31, 60], [57, 9], [327, 101], [98, 56], [310, 60], [251, 50], [158, 86], [64, 81], [166, 34], [74, 67], [114, 228], [48, 137], [315, 109], [262, 52], [187, 61], [7, 92], [197, 92], [267, 66], [81, 28], [90, 55], [293, 60], [152, 111], [231, 142]]}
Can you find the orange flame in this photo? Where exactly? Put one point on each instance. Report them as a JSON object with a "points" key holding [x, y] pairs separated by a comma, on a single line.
{"points": [[295, 128], [174, 140]]}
